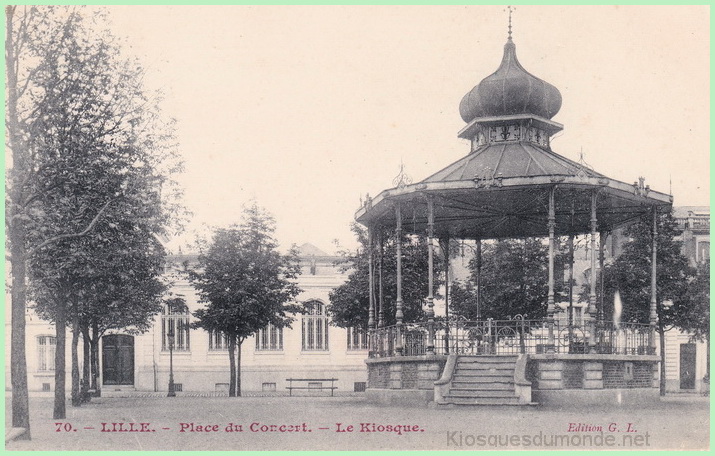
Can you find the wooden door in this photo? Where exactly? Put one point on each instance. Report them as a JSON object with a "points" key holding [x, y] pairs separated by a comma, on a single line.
{"points": [[118, 360], [687, 366]]}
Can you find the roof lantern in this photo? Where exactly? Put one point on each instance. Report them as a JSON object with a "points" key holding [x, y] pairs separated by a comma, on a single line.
{"points": [[510, 90]]}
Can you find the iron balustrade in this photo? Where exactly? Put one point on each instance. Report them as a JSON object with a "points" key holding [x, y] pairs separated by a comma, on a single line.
{"points": [[624, 339], [510, 337], [383, 342], [493, 337], [415, 339]]}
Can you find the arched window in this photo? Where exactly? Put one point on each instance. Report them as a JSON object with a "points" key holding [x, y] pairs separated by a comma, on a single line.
{"points": [[269, 338], [357, 338], [176, 321], [46, 353], [218, 341], [703, 252], [315, 327]]}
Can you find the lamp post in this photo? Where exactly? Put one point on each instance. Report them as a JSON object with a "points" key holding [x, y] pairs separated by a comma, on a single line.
{"points": [[170, 336]]}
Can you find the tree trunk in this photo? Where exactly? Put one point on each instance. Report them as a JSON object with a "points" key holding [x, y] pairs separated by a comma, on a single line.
{"points": [[661, 333], [232, 366], [238, 369], [76, 399], [60, 410], [707, 366], [17, 237], [18, 360], [94, 342], [94, 362], [86, 365]]}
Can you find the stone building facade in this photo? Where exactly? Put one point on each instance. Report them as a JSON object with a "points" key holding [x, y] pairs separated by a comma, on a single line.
{"points": [[311, 349], [686, 358]]}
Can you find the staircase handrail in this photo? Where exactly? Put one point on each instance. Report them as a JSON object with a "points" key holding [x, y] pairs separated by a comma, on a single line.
{"points": [[520, 370], [448, 371]]}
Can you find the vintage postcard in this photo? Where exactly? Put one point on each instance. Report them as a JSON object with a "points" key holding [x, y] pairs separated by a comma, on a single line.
{"points": [[357, 228]]}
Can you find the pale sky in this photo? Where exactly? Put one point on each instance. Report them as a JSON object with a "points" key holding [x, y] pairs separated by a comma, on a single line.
{"points": [[306, 109]]}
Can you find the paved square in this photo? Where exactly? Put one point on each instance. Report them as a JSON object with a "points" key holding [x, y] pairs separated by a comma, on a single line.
{"points": [[311, 423]]}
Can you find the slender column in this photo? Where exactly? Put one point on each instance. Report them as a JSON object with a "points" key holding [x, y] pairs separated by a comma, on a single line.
{"points": [[570, 312], [599, 313], [172, 385], [653, 281], [550, 307], [430, 276], [380, 263], [591, 314], [398, 253], [479, 279], [601, 263], [446, 295], [371, 277]]}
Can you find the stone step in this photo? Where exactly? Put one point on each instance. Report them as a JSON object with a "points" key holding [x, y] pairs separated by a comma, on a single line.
{"points": [[483, 386], [475, 369], [118, 390], [483, 380], [485, 372], [460, 382], [461, 392], [509, 378], [487, 364], [483, 400], [488, 358]]}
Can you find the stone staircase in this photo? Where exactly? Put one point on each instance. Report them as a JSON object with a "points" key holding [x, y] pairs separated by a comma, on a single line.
{"points": [[118, 390], [483, 380]]}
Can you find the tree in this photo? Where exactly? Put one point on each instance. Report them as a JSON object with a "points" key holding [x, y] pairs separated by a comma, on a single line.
{"points": [[109, 279], [463, 300], [126, 292], [88, 148], [697, 318], [697, 304], [350, 302], [630, 275], [514, 279], [246, 284], [126, 296]]}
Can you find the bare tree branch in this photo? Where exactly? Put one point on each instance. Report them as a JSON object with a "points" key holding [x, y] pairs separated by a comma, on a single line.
{"points": [[89, 228]]}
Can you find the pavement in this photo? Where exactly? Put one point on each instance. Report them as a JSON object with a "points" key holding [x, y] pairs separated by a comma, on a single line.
{"points": [[351, 423]]}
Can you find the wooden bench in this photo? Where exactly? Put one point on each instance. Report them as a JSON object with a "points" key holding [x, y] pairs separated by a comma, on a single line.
{"points": [[332, 386]]}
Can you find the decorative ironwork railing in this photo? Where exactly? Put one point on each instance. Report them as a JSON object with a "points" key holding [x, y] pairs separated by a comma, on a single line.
{"points": [[695, 222], [510, 337], [494, 337], [382, 342], [625, 339], [699, 222]]}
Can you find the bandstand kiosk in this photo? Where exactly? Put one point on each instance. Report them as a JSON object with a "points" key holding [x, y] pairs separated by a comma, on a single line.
{"points": [[510, 185]]}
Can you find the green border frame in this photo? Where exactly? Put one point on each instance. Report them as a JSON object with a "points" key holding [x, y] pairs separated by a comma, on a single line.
{"points": [[352, 2]]}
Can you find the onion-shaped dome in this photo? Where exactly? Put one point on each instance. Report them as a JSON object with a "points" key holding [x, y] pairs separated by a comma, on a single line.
{"points": [[510, 90]]}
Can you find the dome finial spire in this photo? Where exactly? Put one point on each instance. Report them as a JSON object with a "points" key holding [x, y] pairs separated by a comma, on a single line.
{"points": [[510, 90], [510, 8]]}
